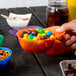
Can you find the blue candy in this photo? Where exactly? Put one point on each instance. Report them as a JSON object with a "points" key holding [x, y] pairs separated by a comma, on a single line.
{"points": [[49, 33], [34, 36], [30, 34]]}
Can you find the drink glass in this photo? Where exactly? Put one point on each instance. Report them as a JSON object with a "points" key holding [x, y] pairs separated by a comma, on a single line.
{"points": [[57, 13], [1, 40]]}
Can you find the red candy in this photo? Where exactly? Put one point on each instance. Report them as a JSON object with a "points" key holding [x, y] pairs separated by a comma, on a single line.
{"points": [[47, 37]]}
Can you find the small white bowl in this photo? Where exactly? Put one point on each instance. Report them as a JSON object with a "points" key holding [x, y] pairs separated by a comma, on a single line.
{"points": [[18, 20], [63, 65]]}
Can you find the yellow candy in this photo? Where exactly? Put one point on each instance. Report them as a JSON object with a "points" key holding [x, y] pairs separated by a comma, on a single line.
{"points": [[24, 37], [44, 34], [46, 31], [34, 38], [52, 36], [39, 34]]}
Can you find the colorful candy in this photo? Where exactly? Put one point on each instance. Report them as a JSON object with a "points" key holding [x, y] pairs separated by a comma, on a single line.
{"points": [[43, 37], [34, 38], [49, 33], [41, 31], [51, 36], [38, 34], [46, 31], [28, 31], [30, 37], [47, 37], [38, 29], [26, 35], [25, 38], [44, 34], [34, 32]]}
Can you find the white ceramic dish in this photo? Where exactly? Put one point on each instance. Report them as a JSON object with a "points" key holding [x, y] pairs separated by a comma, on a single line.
{"points": [[63, 65], [19, 20]]}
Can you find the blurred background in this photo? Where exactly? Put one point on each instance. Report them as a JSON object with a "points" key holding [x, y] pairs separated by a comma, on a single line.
{"points": [[22, 3]]}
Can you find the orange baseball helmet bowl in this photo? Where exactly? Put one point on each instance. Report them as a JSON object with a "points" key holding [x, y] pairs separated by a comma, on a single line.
{"points": [[34, 46], [52, 46]]}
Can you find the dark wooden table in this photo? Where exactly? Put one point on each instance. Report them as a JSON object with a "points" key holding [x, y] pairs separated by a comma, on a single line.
{"points": [[27, 64]]}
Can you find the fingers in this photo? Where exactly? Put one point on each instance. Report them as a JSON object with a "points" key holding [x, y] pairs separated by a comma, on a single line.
{"points": [[67, 26], [62, 28], [73, 46], [70, 41], [67, 36]]}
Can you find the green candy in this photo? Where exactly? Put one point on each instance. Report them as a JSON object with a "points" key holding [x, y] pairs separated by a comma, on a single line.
{"points": [[30, 37], [42, 31], [38, 29]]}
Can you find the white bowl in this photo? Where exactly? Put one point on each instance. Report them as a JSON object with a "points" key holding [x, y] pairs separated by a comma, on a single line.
{"points": [[18, 20], [63, 65]]}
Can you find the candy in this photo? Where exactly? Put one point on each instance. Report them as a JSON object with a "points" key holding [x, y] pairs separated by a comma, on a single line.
{"points": [[51, 36], [43, 37], [25, 38], [31, 29], [49, 33], [26, 35], [44, 34], [28, 31], [30, 37], [38, 34], [24, 32], [38, 29], [41, 31], [30, 34], [39, 37], [34, 38], [34, 32], [21, 35], [46, 31], [47, 37]]}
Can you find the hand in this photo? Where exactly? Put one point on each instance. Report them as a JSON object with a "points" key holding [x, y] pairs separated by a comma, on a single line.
{"points": [[70, 37]]}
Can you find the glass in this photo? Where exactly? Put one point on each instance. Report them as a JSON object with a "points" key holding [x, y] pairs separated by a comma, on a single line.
{"points": [[57, 12], [1, 40]]}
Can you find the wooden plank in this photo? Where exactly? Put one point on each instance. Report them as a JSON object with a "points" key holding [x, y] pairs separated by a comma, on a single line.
{"points": [[41, 14], [50, 63], [3, 23], [22, 63]]}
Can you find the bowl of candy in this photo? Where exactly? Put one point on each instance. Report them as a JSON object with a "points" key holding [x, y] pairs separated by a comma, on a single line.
{"points": [[68, 67], [38, 40], [5, 57], [35, 39], [17, 21]]}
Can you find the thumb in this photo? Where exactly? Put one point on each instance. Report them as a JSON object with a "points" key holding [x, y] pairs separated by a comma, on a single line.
{"points": [[64, 27]]}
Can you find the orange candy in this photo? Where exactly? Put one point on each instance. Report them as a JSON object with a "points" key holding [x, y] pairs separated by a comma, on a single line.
{"points": [[26, 35]]}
